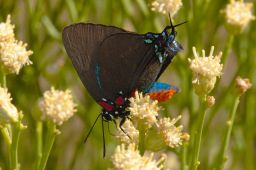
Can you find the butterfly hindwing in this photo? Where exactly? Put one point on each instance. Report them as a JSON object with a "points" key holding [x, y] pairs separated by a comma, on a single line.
{"points": [[161, 91]]}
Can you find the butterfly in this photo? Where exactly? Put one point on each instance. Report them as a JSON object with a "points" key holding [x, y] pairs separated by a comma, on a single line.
{"points": [[112, 63]]}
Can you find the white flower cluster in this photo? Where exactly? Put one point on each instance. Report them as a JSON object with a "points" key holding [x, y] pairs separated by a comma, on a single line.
{"points": [[205, 71], [166, 6], [57, 106], [171, 134], [129, 158], [144, 113], [145, 119], [143, 109], [13, 53], [238, 14]]}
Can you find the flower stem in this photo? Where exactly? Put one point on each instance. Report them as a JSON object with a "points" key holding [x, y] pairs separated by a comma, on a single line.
{"points": [[6, 136], [198, 136], [228, 47], [4, 80], [184, 157], [12, 137], [39, 132], [50, 137], [4, 130], [224, 147], [141, 140], [14, 146]]}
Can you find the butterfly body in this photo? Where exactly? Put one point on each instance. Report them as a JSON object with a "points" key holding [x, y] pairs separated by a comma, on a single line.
{"points": [[112, 110]]}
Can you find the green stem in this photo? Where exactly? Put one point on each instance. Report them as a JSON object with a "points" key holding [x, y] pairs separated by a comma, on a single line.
{"points": [[224, 146], [76, 152], [141, 140], [50, 137], [39, 133], [249, 130], [227, 48], [184, 157], [14, 146], [6, 136], [198, 136], [4, 80]]}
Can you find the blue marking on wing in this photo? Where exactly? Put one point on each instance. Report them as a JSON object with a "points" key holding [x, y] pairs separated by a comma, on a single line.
{"points": [[97, 72], [157, 86]]}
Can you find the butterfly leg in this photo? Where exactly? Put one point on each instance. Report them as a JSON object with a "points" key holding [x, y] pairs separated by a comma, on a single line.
{"points": [[129, 118], [120, 126], [103, 137]]}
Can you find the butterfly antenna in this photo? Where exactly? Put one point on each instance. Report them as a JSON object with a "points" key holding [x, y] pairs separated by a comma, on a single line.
{"points": [[103, 136], [180, 24], [92, 128], [170, 18], [172, 27]]}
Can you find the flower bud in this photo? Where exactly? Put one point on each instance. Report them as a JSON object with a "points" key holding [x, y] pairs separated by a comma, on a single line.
{"points": [[8, 112], [205, 71]]}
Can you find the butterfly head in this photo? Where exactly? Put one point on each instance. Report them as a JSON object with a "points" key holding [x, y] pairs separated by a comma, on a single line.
{"points": [[172, 46], [164, 43]]}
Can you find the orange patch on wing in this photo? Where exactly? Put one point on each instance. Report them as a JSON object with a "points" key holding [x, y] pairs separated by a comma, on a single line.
{"points": [[162, 95]]}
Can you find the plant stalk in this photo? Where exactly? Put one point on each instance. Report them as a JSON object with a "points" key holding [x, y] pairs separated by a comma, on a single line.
{"points": [[50, 138], [224, 147], [198, 136]]}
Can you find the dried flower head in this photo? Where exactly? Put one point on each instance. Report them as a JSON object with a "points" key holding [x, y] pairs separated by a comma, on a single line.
{"points": [[205, 71], [171, 134], [131, 131], [238, 14], [210, 101], [129, 158], [57, 106], [8, 112], [13, 56], [6, 31], [143, 110], [166, 6], [243, 84]]}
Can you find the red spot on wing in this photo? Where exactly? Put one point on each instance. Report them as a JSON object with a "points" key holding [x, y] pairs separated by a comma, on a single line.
{"points": [[162, 95], [106, 106], [119, 100]]}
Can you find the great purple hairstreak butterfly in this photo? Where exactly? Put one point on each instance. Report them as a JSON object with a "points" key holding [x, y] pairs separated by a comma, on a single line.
{"points": [[112, 63]]}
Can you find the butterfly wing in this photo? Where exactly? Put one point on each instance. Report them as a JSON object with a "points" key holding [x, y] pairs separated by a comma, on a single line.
{"points": [[80, 41], [161, 91], [125, 63]]}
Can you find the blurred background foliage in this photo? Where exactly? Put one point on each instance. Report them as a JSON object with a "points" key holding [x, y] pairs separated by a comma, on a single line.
{"points": [[40, 22]]}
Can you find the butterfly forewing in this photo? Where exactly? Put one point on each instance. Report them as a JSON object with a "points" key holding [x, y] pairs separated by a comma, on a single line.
{"points": [[80, 41]]}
